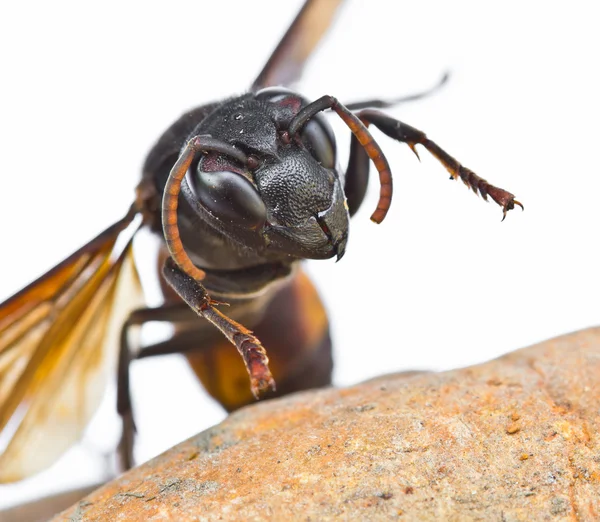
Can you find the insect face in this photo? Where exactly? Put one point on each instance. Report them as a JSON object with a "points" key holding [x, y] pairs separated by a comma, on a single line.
{"points": [[287, 199]]}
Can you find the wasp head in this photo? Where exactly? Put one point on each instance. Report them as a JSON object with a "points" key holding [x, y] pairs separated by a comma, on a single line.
{"points": [[287, 198]]}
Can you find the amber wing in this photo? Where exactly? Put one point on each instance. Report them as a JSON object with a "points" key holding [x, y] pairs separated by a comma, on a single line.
{"points": [[58, 346]]}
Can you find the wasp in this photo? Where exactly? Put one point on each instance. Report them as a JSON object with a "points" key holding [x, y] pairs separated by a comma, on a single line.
{"points": [[239, 191]]}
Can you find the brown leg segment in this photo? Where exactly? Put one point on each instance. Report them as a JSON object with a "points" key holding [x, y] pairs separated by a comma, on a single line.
{"points": [[294, 329], [399, 131], [189, 339], [252, 352]]}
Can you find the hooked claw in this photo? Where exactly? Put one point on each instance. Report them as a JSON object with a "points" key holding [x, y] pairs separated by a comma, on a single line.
{"points": [[509, 205], [504, 198], [412, 146]]}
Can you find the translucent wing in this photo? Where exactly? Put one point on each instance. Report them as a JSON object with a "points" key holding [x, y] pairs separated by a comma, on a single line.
{"points": [[302, 37], [58, 344]]}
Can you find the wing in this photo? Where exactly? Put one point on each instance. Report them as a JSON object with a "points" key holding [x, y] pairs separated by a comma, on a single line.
{"points": [[300, 40], [58, 343]]}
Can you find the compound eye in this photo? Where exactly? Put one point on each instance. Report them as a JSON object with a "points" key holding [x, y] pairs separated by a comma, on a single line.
{"points": [[230, 197], [317, 135]]}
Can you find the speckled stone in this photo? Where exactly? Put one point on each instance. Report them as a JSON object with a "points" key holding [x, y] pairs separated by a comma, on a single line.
{"points": [[516, 438]]}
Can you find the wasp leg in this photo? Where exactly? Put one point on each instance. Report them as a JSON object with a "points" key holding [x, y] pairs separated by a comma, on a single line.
{"points": [[294, 326], [127, 353], [404, 133], [250, 348], [299, 349], [357, 172], [384, 104]]}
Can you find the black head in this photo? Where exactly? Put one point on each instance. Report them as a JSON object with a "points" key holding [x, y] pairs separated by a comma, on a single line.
{"points": [[287, 198]]}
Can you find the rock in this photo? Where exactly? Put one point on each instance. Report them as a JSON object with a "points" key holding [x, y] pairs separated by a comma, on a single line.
{"points": [[513, 439]]}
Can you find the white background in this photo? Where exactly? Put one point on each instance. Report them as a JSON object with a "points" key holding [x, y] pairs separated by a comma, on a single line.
{"points": [[442, 283]]}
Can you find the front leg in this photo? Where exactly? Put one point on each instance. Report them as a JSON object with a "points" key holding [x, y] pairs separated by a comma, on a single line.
{"points": [[252, 352], [402, 132]]}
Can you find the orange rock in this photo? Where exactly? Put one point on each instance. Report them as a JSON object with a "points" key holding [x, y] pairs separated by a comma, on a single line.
{"points": [[513, 439]]}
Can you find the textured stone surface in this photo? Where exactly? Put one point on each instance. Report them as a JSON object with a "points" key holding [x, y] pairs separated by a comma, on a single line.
{"points": [[516, 438]]}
